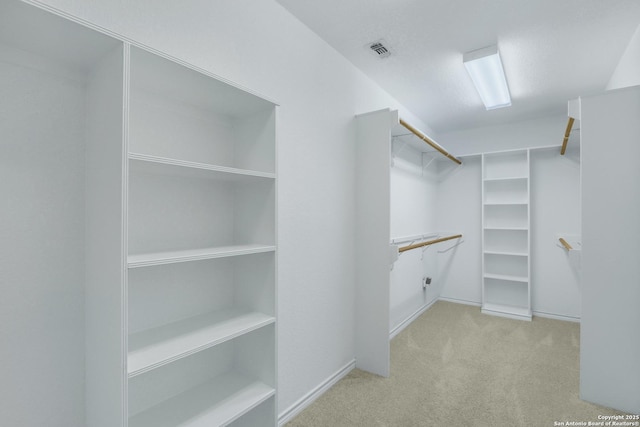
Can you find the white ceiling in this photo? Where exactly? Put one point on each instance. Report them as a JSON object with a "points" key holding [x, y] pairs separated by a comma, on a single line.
{"points": [[552, 50]]}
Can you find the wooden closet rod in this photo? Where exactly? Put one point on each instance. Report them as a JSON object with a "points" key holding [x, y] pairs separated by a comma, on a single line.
{"points": [[566, 244], [428, 242], [429, 141], [566, 135]]}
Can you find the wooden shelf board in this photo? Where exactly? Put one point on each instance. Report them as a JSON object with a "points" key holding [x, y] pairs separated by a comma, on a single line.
{"points": [[169, 257], [167, 166], [511, 311], [215, 403], [158, 346], [506, 277]]}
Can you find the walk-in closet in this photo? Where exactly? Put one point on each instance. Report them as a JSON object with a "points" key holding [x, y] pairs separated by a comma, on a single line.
{"points": [[283, 212]]}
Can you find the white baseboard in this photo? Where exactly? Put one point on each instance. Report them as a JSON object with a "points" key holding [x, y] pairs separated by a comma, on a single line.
{"points": [[535, 313], [406, 322], [306, 400], [460, 301], [556, 316]]}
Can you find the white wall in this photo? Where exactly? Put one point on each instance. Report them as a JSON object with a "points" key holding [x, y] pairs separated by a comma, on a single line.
{"points": [[42, 250], [609, 344], [413, 201], [459, 210], [538, 132], [627, 72], [259, 45], [555, 211]]}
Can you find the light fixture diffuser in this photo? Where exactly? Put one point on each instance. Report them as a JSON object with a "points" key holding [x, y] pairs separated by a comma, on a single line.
{"points": [[485, 68]]}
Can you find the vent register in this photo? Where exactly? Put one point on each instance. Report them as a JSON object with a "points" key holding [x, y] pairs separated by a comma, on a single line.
{"points": [[378, 49]]}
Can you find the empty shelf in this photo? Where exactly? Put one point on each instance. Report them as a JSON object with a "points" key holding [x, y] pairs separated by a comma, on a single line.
{"points": [[158, 346], [507, 277], [507, 228], [215, 403], [507, 178], [167, 166], [490, 252], [505, 202], [504, 310], [158, 258]]}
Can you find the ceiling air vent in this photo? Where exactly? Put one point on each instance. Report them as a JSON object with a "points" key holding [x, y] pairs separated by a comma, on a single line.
{"points": [[379, 49]]}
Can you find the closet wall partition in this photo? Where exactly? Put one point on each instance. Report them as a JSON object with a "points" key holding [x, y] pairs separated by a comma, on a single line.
{"points": [[609, 348], [62, 224], [140, 285], [396, 186]]}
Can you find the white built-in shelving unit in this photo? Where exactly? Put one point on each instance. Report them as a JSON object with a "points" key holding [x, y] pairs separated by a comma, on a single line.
{"points": [[201, 248], [145, 191], [506, 237]]}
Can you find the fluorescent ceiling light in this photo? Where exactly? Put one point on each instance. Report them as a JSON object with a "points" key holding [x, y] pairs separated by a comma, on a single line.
{"points": [[485, 68]]}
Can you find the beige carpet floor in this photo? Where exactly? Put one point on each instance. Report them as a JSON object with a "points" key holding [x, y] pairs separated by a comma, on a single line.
{"points": [[454, 366]]}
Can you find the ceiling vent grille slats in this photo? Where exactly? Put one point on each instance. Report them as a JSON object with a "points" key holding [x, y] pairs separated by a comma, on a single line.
{"points": [[379, 49]]}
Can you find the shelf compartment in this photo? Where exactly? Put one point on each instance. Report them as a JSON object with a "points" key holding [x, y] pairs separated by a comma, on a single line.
{"points": [[215, 403], [165, 294], [506, 216], [261, 416], [188, 255], [173, 213], [505, 165], [511, 295], [511, 241], [507, 277], [506, 265], [176, 167], [61, 124], [217, 386], [506, 192], [172, 103], [505, 310], [156, 347]]}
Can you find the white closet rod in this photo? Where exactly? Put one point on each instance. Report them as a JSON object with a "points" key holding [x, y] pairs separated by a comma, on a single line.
{"points": [[429, 141]]}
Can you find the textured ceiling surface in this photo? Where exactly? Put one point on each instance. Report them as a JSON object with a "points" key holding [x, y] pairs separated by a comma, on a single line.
{"points": [[552, 50]]}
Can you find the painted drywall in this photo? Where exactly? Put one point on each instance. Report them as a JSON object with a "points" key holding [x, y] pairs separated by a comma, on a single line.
{"points": [[555, 211], [609, 345], [459, 210], [627, 72], [413, 198], [540, 132], [259, 45], [42, 251]]}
